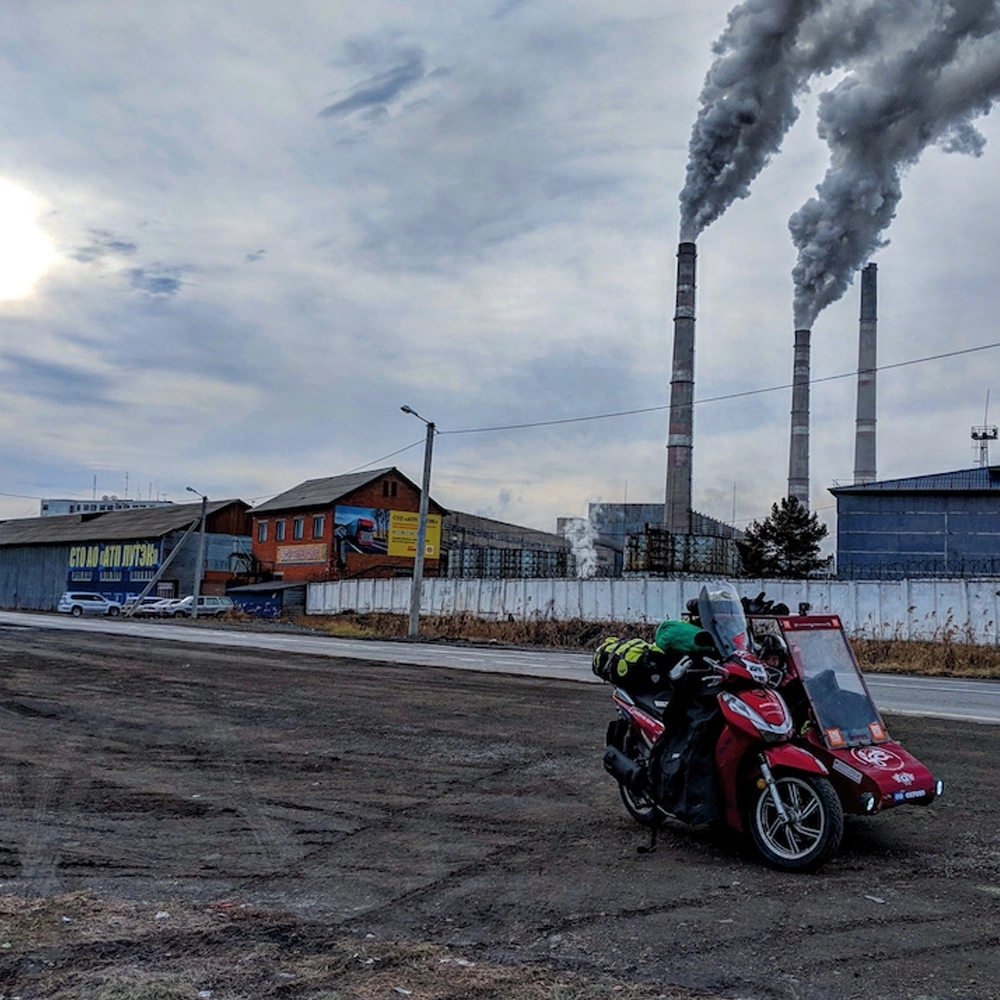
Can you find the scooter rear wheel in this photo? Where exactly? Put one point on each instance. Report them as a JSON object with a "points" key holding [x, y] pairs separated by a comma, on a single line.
{"points": [[813, 829], [640, 805]]}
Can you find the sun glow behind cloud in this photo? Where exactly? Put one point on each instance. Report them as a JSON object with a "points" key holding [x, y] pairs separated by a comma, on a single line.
{"points": [[26, 251]]}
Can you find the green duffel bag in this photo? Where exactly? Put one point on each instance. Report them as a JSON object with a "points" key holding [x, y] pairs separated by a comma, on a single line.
{"points": [[633, 664], [677, 639]]}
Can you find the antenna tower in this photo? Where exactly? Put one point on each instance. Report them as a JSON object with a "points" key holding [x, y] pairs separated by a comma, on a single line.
{"points": [[983, 435]]}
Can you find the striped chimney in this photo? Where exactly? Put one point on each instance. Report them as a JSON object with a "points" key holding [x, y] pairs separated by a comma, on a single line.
{"points": [[677, 508], [864, 439]]}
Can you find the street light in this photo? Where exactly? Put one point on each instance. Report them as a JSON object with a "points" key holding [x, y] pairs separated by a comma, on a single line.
{"points": [[199, 565], [418, 562]]}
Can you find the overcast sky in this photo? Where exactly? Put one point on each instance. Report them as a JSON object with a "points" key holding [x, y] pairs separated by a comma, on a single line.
{"points": [[235, 237]]}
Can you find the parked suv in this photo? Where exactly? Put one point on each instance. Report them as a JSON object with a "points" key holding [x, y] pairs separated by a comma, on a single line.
{"points": [[77, 603], [208, 607]]}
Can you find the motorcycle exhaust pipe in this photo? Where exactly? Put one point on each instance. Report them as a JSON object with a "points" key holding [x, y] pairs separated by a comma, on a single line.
{"points": [[624, 770]]}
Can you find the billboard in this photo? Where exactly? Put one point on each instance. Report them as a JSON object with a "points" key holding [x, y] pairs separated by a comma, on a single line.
{"points": [[377, 531], [403, 528]]}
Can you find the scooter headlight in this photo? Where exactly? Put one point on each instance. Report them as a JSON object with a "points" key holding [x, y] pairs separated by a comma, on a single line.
{"points": [[771, 731]]}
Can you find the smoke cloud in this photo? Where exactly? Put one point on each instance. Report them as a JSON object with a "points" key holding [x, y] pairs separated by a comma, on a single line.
{"points": [[877, 122], [747, 106], [582, 537], [764, 60]]}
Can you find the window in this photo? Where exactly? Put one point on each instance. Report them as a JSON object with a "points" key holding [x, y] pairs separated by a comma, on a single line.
{"points": [[298, 527], [262, 531], [279, 531], [319, 522], [389, 487]]}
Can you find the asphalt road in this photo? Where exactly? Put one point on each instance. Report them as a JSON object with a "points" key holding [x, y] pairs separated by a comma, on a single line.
{"points": [[936, 697]]}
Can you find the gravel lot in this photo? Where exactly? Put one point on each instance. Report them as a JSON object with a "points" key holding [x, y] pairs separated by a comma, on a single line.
{"points": [[178, 821]]}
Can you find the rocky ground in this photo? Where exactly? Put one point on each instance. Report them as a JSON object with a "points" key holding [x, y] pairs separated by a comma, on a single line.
{"points": [[186, 822]]}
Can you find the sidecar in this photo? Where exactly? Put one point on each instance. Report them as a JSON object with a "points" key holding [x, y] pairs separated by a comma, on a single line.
{"points": [[837, 720]]}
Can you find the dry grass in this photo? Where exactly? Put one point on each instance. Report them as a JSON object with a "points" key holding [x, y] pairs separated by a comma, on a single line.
{"points": [[950, 654], [81, 945]]}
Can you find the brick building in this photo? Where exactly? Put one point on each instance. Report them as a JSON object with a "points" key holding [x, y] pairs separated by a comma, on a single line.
{"points": [[362, 524]]}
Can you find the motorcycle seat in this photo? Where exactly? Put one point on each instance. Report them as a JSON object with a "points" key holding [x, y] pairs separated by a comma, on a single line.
{"points": [[653, 702]]}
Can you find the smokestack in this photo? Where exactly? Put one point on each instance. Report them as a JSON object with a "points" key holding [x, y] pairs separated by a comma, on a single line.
{"points": [[798, 451], [864, 440], [677, 509]]}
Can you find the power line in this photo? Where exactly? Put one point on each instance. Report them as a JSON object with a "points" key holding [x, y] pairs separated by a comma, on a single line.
{"points": [[708, 399]]}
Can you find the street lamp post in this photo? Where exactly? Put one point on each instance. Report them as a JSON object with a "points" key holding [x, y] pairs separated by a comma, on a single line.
{"points": [[418, 561], [200, 564]]}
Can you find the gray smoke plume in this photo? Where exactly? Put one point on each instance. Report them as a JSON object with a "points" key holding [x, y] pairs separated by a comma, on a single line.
{"points": [[877, 122], [764, 60], [747, 106]]}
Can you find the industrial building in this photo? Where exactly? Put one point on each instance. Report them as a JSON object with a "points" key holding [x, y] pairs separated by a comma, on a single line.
{"points": [[943, 525], [474, 546], [58, 507], [630, 538], [118, 553]]}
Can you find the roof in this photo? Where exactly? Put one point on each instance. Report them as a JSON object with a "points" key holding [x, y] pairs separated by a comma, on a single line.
{"points": [[474, 525], [324, 492], [105, 526], [978, 480]]}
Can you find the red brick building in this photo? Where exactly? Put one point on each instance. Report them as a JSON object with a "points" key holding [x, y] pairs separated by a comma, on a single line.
{"points": [[360, 525]]}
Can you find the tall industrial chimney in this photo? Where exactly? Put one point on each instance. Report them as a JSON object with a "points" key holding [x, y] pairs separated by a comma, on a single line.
{"points": [[798, 450], [864, 441], [677, 509]]}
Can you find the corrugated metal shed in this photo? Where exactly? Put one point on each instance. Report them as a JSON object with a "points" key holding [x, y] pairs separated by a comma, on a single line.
{"points": [[114, 525]]}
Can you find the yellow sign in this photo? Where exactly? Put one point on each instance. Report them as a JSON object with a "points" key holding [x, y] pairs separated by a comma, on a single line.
{"points": [[404, 526]]}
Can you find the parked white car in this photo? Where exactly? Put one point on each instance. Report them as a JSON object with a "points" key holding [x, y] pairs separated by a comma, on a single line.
{"points": [[208, 607], [150, 607], [77, 603]]}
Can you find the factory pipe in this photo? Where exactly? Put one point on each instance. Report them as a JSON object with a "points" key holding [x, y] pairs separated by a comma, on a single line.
{"points": [[680, 439], [864, 440], [798, 451]]}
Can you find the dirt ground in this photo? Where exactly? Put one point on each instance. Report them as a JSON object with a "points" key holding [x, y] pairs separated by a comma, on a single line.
{"points": [[186, 822]]}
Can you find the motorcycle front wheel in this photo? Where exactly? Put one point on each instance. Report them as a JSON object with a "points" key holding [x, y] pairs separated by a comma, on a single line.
{"points": [[810, 833]]}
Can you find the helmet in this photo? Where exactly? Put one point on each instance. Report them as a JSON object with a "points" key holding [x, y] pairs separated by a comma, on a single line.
{"points": [[772, 655]]}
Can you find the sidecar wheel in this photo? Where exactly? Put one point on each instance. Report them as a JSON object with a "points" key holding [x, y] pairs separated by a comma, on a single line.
{"points": [[815, 827]]}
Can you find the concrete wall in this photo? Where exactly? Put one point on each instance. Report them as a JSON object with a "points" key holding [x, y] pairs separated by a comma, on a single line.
{"points": [[906, 609]]}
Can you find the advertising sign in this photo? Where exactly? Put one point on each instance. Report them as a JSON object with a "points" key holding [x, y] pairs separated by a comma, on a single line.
{"points": [[288, 554], [404, 526], [360, 529]]}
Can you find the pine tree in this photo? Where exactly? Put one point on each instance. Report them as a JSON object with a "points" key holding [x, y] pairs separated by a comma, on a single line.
{"points": [[784, 544]]}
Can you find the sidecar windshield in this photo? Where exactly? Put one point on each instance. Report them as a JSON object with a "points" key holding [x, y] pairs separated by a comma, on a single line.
{"points": [[721, 613], [835, 687]]}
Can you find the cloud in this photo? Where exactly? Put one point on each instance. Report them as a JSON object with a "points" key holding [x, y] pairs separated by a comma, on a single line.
{"points": [[53, 381], [374, 93], [156, 280], [103, 244]]}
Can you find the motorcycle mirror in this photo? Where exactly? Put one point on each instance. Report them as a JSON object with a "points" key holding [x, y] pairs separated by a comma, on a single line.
{"points": [[680, 668]]}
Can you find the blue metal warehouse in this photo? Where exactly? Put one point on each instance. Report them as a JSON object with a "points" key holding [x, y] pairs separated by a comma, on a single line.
{"points": [[943, 525]]}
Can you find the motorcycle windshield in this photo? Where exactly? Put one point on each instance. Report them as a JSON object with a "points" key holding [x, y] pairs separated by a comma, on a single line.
{"points": [[721, 613], [844, 709]]}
